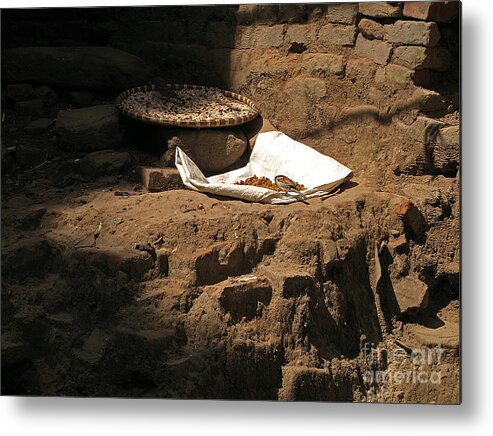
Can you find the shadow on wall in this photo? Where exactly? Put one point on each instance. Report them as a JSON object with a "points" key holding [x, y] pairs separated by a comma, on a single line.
{"points": [[185, 44]]}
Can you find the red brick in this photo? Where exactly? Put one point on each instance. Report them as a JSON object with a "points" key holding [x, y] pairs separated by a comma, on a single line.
{"points": [[412, 217], [443, 12]]}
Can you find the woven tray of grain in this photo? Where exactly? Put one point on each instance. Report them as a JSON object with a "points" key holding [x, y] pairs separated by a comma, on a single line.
{"points": [[188, 106]]}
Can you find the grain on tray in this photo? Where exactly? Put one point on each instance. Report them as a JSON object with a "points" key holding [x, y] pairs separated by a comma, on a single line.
{"points": [[264, 182], [187, 104]]}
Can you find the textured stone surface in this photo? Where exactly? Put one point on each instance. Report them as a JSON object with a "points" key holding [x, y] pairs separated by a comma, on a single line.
{"points": [[336, 34], [370, 29], [90, 129], [411, 293], [361, 69], [446, 151], [380, 9], [104, 163], [269, 36], [395, 74], [75, 67], [416, 57], [412, 33], [324, 64], [378, 51], [210, 149], [342, 13], [443, 12]]}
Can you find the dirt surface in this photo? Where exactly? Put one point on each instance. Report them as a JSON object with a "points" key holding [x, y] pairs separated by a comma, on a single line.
{"points": [[193, 296]]}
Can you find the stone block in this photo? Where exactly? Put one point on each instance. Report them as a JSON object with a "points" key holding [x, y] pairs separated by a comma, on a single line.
{"points": [[104, 163], [324, 64], [160, 179], [97, 68], [370, 29], [411, 293], [443, 12], [380, 9], [331, 35], [412, 33], [418, 57], [378, 51], [411, 217], [90, 129], [446, 151], [361, 69], [210, 149], [395, 74], [292, 13], [301, 34], [269, 36], [341, 13]]}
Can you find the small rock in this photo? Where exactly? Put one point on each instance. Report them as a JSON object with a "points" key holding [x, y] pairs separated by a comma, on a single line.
{"points": [[412, 217], [90, 129], [104, 163], [411, 293], [370, 29], [39, 126], [20, 92], [82, 98], [398, 244], [46, 94]]}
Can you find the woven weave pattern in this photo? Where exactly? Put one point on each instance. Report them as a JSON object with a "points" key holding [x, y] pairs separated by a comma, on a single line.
{"points": [[198, 124]]}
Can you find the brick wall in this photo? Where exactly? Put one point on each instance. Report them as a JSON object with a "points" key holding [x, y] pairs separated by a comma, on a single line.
{"points": [[344, 77]]}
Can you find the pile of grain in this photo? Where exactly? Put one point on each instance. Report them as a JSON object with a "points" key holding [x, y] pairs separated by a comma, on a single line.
{"points": [[264, 182]]}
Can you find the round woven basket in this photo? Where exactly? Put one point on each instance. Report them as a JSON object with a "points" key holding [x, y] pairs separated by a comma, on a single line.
{"points": [[197, 124]]}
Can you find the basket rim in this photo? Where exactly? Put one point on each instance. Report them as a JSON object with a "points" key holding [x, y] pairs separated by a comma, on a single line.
{"points": [[216, 123]]}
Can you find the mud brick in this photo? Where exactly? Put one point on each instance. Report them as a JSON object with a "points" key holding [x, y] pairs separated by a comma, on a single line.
{"points": [[395, 74], [411, 216], [269, 36], [370, 29], [361, 69], [378, 51], [160, 179], [417, 57], [324, 64], [342, 13], [443, 12], [380, 9], [412, 33], [336, 35], [292, 13]]}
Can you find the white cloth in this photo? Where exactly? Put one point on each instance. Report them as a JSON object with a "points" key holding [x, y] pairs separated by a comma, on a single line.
{"points": [[274, 153]]}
